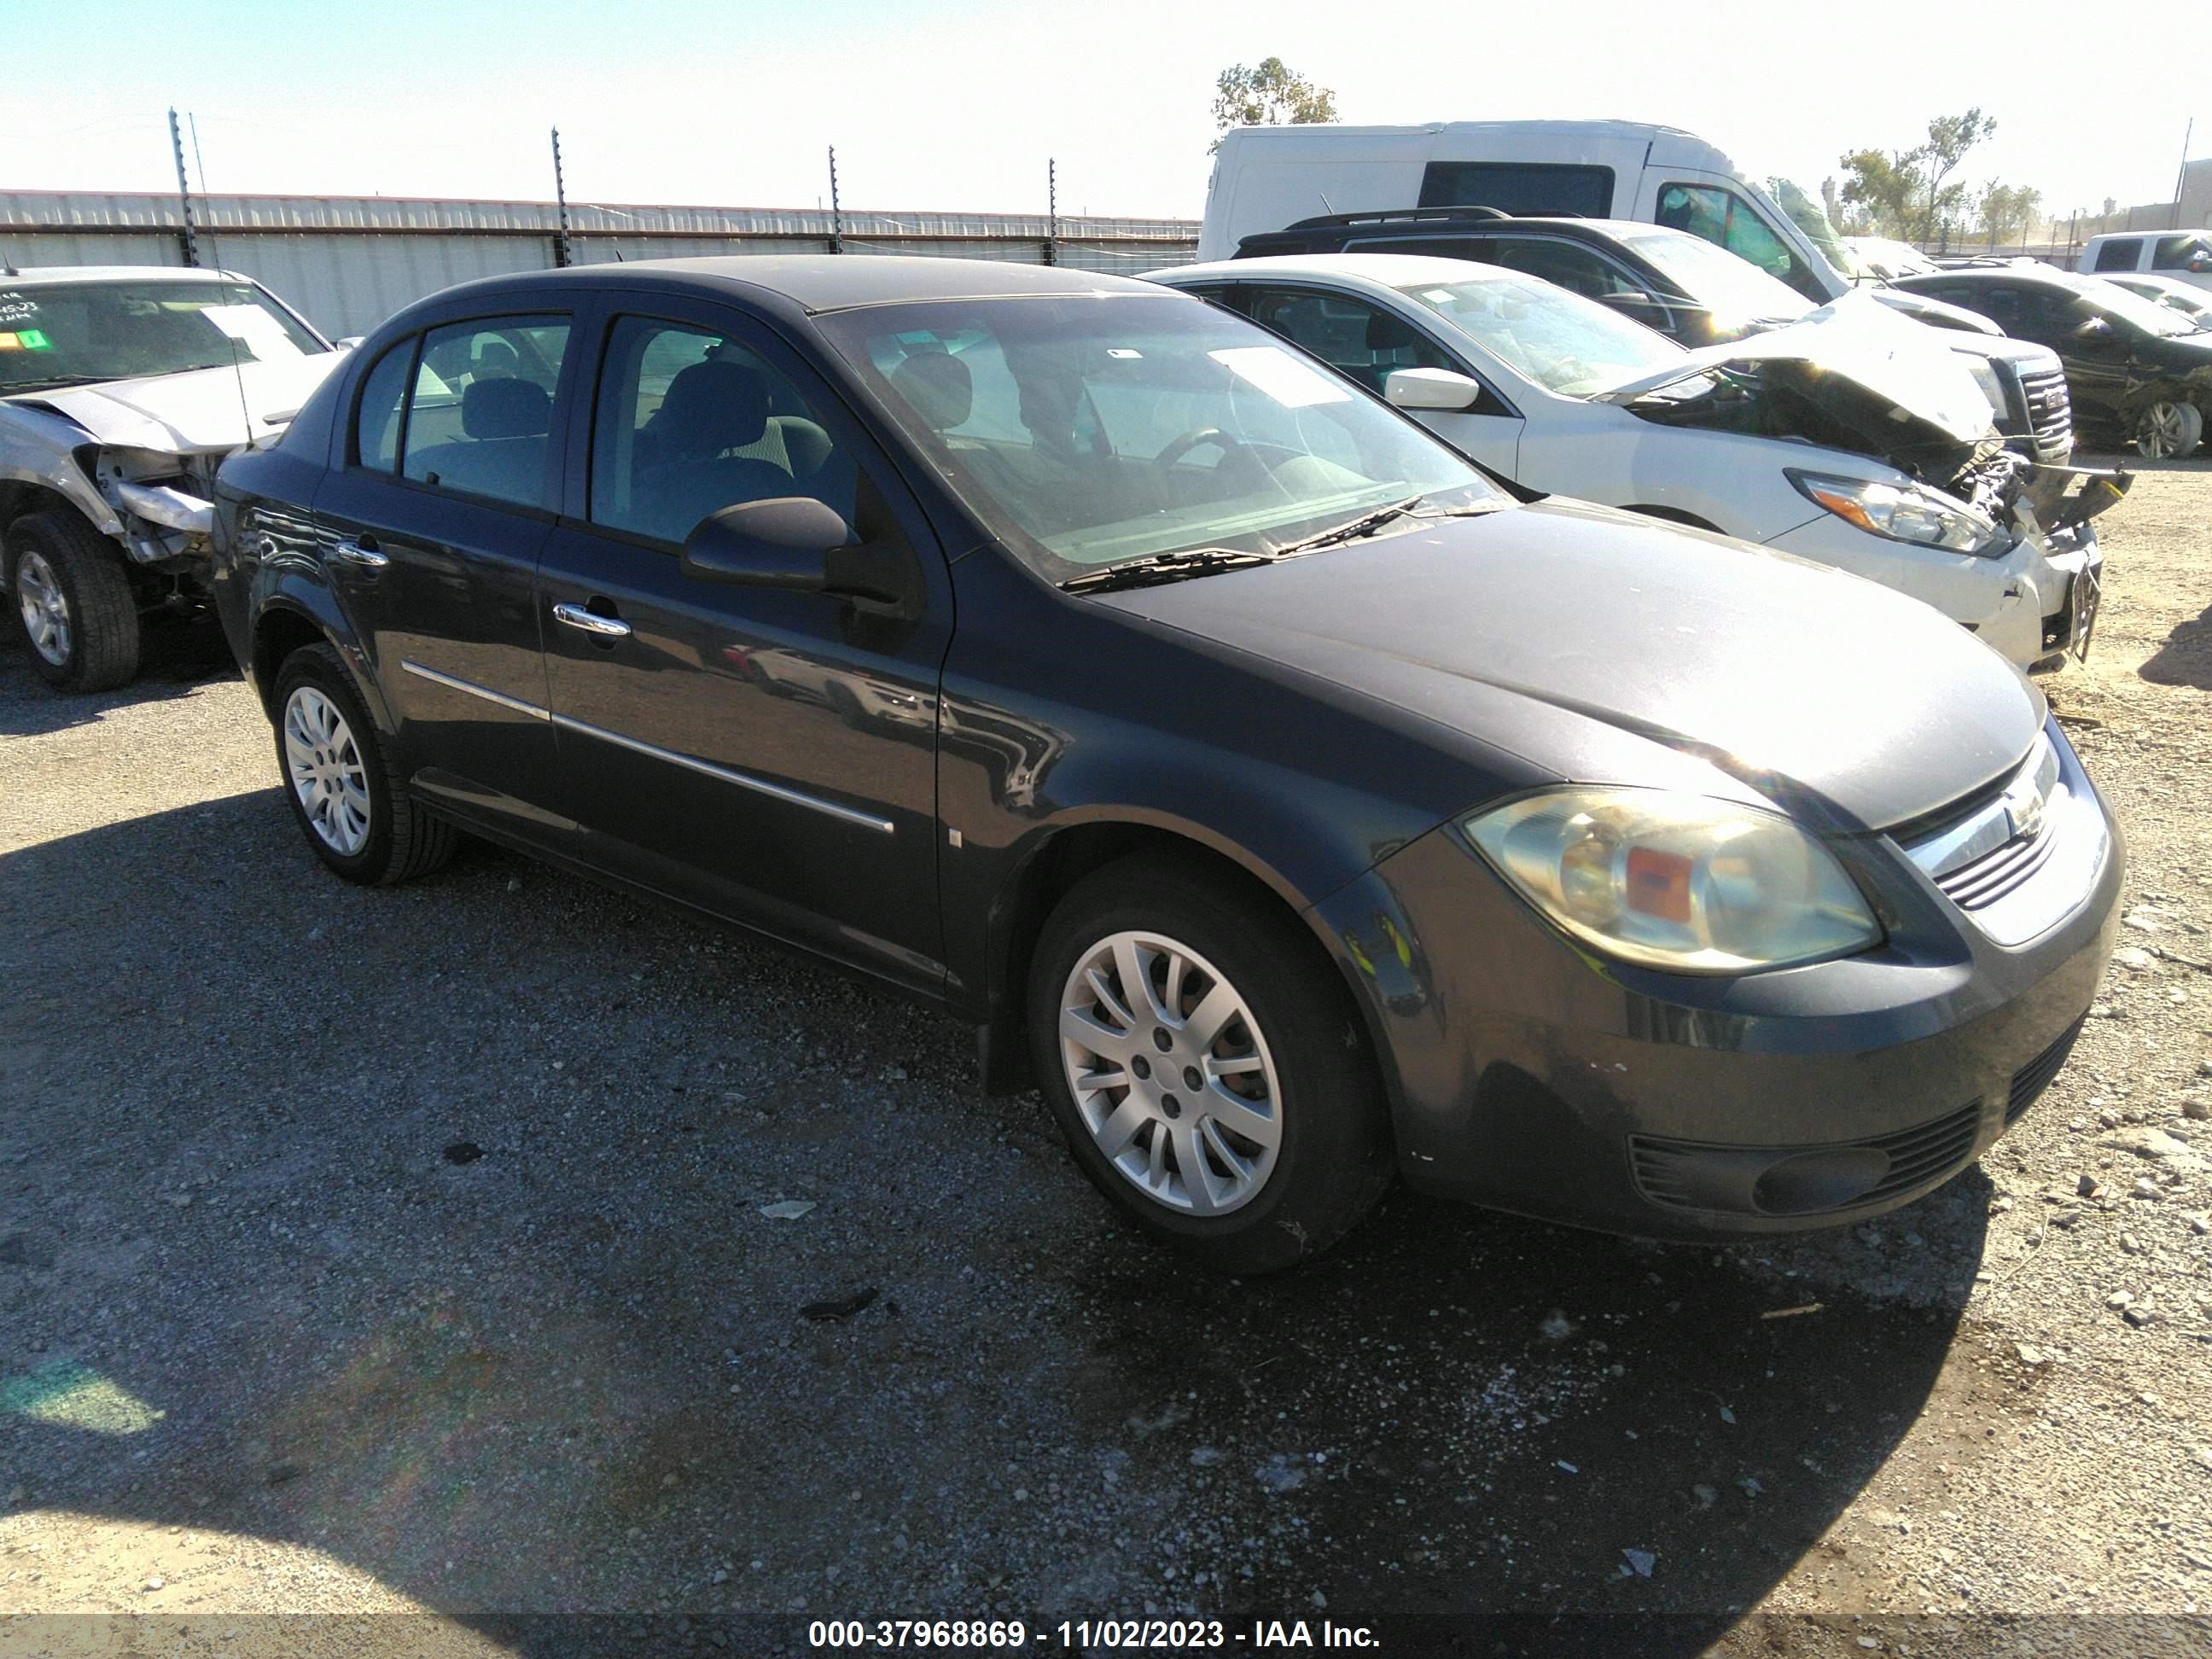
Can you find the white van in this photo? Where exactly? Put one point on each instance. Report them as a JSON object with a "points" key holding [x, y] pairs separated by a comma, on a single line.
{"points": [[2185, 256], [1267, 178]]}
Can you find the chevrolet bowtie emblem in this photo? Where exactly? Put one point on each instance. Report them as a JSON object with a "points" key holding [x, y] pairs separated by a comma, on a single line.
{"points": [[2023, 805]]}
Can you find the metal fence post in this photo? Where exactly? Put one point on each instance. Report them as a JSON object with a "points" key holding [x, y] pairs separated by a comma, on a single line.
{"points": [[189, 237]]}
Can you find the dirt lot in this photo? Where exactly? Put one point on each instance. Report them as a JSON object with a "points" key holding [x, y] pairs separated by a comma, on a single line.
{"points": [[266, 1345]]}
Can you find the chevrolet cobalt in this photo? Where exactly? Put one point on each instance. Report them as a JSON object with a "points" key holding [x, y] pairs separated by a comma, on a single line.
{"points": [[1291, 803]]}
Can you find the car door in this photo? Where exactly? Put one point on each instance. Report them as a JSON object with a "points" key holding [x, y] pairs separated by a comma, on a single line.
{"points": [[768, 754], [431, 529], [1365, 341]]}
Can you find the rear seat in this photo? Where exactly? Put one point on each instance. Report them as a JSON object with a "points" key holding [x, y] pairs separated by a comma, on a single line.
{"points": [[503, 452]]}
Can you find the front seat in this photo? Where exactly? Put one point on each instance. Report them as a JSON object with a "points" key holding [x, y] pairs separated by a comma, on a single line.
{"points": [[712, 407]]}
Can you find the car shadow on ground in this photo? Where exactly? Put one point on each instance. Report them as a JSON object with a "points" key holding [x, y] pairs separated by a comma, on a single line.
{"points": [[179, 655], [571, 1368], [2186, 658]]}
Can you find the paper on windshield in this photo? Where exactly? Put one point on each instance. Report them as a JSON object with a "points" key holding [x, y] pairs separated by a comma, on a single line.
{"points": [[1291, 383], [254, 329], [1856, 338]]}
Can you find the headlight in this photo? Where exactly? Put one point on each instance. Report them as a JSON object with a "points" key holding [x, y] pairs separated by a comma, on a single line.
{"points": [[1985, 376], [1675, 881], [1906, 512]]}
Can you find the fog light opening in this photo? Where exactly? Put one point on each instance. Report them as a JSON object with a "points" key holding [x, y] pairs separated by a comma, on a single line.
{"points": [[1829, 1179]]}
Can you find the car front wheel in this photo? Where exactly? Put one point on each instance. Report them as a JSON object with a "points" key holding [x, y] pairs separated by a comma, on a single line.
{"points": [[75, 605], [2168, 430], [1209, 1072], [346, 791]]}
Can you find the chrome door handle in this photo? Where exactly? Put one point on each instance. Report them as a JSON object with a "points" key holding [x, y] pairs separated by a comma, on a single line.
{"points": [[354, 553], [607, 627]]}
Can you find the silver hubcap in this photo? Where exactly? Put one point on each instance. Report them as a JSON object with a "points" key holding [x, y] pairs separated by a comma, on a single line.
{"points": [[327, 774], [1170, 1074], [45, 611], [2164, 427]]}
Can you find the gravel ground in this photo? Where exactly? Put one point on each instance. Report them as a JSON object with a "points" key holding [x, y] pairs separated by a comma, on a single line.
{"points": [[369, 1252]]}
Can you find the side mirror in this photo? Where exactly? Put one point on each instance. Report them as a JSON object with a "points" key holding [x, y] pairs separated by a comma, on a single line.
{"points": [[800, 544], [348, 343], [1628, 298], [2092, 328], [781, 543], [1438, 389]]}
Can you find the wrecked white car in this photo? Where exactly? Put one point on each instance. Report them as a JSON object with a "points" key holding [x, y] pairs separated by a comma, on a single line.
{"points": [[1853, 436], [122, 388]]}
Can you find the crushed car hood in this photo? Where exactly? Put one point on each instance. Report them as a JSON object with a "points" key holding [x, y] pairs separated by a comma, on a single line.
{"points": [[1901, 391], [1603, 647], [201, 410]]}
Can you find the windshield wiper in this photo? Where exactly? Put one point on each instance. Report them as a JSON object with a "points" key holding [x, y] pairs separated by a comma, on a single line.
{"points": [[1156, 568], [8, 388], [1368, 523]]}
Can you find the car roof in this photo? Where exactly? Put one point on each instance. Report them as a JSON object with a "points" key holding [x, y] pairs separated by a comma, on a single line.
{"points": [[825, 281], [1391, 271], [39, 276], [2013, 274]]}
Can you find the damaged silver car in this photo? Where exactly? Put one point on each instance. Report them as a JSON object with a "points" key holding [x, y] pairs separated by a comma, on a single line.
{"points": [[122, 388], [1852, 437]]}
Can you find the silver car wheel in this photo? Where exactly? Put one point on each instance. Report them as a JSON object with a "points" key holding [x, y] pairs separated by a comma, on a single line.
{"points": [[2165, 430], [45, 608], [327, 773], [1171, 1073]]}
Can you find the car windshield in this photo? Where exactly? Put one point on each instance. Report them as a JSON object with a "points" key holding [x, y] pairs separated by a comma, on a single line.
{"points": [[67, 333], [2131, 307], [1561, 341], [1086, 431], [1736, 292]]}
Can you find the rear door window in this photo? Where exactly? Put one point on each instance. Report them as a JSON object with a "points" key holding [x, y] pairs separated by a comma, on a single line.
{"points": [[480, 413], [2122, 253], [1522, 187]]}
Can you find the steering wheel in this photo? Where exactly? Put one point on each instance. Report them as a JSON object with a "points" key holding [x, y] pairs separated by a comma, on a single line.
{"points": [[1196, 437]]}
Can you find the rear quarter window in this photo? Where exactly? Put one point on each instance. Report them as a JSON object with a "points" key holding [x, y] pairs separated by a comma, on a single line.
{"points": [[1520, 187], [2121, 255]]}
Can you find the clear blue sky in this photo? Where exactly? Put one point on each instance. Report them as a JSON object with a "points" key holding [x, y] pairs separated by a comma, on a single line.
{"points": [[956, 104]]}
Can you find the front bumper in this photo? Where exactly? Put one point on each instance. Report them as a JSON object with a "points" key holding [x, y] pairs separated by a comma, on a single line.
{"points": [[1529, 1075], [2004, 599]]}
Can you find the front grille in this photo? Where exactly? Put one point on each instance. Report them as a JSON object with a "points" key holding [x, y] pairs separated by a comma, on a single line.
{"points": [[2033, 1078], [1990, 877], [2049, 414]]}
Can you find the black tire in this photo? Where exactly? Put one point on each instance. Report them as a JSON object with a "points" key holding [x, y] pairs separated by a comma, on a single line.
{"points": [[404, 841], [102, 652], [1335, 1158]]}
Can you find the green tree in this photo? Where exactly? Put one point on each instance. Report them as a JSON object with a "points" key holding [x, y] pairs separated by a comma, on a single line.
{"points": [[1272, 94], [1949, 138], [2007, 211], [1884, 188]]}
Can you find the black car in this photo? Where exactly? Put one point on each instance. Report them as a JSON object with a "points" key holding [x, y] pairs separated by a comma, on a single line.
{"points": [[1692, 290], [1289, 801], [2138, 372]]}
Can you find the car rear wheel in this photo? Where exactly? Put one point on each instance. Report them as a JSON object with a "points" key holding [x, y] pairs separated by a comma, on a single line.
{"points": [[347, 794], [75, 605], [2169, 430], [1209, 1073]]}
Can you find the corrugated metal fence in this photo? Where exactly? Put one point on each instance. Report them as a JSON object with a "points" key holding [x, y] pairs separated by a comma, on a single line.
{"points": [[349, 262]]}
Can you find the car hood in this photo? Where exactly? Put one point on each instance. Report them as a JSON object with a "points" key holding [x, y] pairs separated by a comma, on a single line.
{"points": [[1606, 648], [1900, 389], [205, 410]]}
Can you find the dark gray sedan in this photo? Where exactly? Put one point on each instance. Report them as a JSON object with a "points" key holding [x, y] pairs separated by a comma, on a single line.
{"points": [[1293, 803]]}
